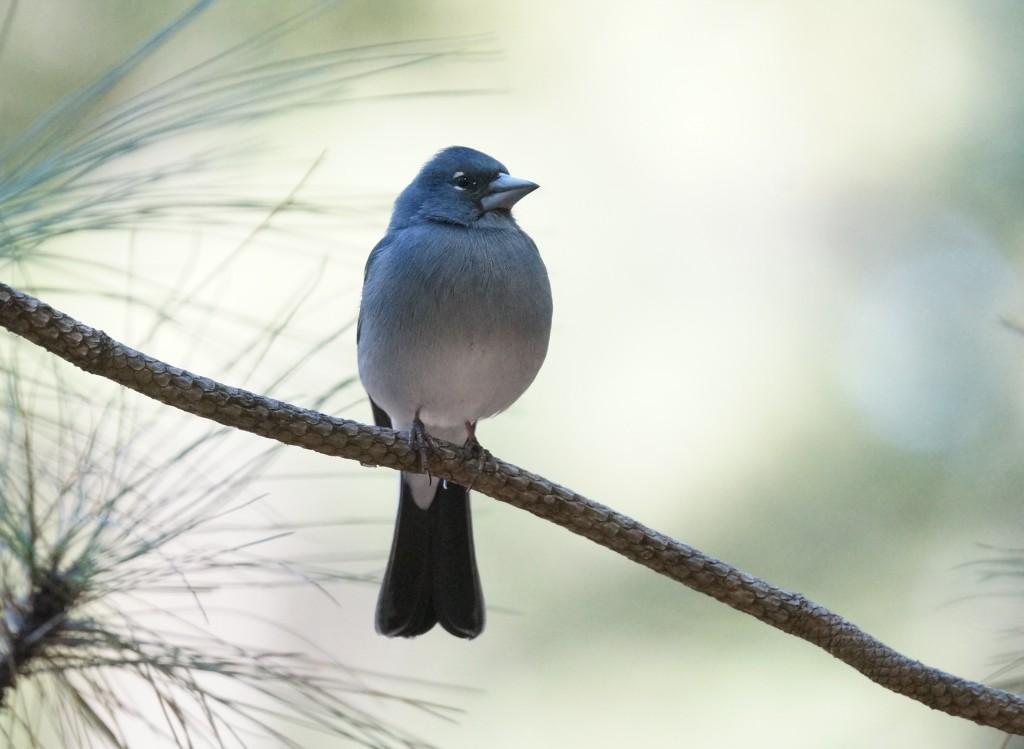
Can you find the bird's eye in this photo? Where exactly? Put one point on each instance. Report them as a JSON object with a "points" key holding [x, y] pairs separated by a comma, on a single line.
{"points": [[463, 181]]}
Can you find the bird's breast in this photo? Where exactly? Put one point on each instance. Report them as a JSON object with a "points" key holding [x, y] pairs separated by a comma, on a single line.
{"points": [[457, 329]]}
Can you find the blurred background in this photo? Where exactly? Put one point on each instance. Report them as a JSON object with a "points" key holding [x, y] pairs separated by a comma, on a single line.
{"points": [[785, 243]]}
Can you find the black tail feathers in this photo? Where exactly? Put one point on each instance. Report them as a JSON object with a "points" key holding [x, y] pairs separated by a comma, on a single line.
{"points": [[431, 575]]}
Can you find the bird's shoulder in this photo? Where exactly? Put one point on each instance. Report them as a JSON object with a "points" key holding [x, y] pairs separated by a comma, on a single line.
{"points": [[411, 238], [375, 254], [411, 245]]}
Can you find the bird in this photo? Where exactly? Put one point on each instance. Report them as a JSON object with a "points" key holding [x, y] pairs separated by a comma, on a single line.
{"points": [[454, 323]]}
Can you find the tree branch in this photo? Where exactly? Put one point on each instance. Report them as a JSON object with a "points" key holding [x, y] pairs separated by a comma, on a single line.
{"points": [[95, 352]]}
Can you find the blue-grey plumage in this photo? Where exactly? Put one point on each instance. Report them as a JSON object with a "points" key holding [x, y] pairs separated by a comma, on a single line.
{"points": [[453, 328]]}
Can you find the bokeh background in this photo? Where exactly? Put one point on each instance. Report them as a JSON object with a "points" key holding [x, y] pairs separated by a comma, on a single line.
{"points": [[785, 243]]}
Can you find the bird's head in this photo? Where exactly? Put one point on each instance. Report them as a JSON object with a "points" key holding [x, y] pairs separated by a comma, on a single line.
{"points": [[459, 186]]}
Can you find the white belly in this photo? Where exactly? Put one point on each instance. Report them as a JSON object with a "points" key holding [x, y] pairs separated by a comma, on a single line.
{"points": [[452, 384]]}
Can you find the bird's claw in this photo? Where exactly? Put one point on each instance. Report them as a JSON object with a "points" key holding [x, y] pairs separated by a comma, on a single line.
{"points": [[481, 453], [422, 443]]}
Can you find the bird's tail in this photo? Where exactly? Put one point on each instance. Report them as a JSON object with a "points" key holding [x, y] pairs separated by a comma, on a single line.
{"points": [[431, 575]]}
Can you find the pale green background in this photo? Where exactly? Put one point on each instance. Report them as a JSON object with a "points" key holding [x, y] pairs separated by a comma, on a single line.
{"points": [[781, 236]]}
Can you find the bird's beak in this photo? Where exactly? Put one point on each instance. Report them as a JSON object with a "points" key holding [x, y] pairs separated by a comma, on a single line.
{"points": [[505, 192]]}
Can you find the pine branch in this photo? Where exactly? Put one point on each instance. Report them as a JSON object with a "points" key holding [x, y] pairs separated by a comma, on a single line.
{"points": [[34, 622], [97, 353]]}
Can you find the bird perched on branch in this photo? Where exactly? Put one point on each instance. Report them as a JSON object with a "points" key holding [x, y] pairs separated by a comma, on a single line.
{"points": [[453, 327]]}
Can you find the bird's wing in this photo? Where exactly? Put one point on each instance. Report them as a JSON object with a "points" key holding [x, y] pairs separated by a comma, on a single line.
{"points": [[374, 254]]}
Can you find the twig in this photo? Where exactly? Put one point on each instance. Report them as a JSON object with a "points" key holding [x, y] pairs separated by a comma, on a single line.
{"points": [[95, 352]]}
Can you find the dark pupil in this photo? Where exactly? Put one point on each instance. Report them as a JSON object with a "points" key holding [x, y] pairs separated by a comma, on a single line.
{"points": [[465, 182]]}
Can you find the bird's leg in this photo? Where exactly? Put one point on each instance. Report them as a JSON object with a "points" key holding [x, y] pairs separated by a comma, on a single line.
{"points": [[421, 441], [481, 453]]}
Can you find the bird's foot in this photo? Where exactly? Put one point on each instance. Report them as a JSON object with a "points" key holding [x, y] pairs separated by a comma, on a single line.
{"points": [[481, 453], [422, 442]]}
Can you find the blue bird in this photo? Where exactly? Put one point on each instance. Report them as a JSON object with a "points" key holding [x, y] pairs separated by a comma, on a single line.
{"points": [[453, 327]]}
